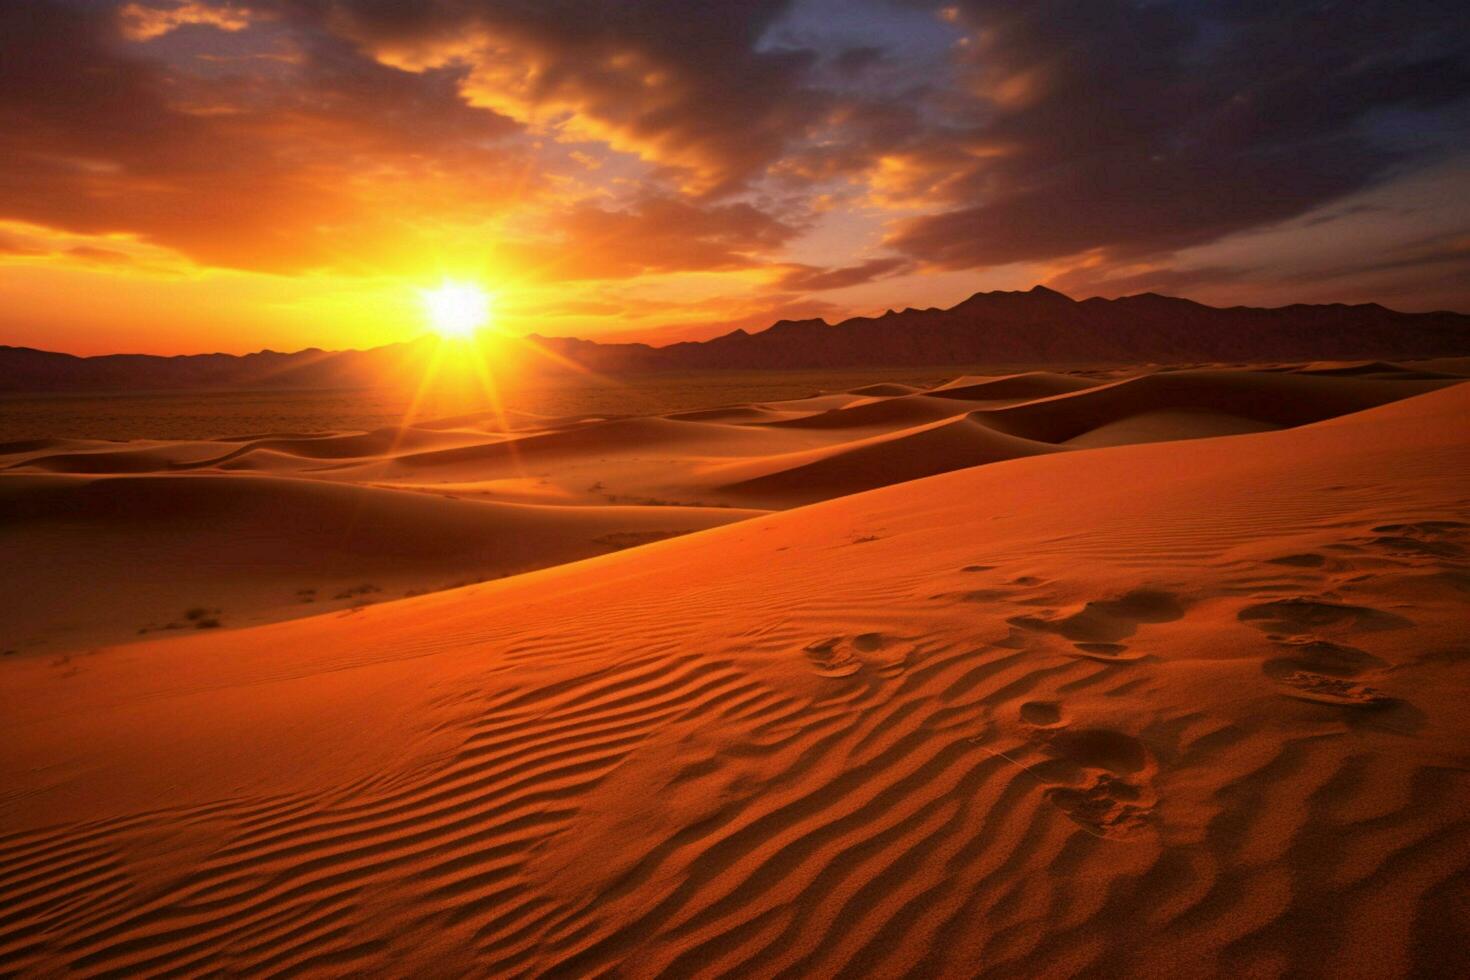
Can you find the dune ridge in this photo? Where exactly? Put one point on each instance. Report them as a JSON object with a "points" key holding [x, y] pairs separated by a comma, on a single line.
{"points": [[581, 475], [1042, 723]]}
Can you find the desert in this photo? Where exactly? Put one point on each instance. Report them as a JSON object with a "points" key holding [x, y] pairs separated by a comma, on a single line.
{"points": [[734, 490], [1048, 673]]}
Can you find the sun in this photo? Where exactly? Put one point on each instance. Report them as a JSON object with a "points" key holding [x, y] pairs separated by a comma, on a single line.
{"points": [[456, 309]]}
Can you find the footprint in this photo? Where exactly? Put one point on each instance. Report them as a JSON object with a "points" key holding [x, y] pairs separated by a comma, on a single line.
{"points": [[1306, 560], [1106, 649], [1402, 545], [841, 656], [1105, 775], [831, 659], [974, 595], [1321, 657], [1107, 653], [1421, 527], [1042, 714], [1108, 807], [1420, 538], [1107, 621], [1304, 615], [1306, 686], [1102, 748]]}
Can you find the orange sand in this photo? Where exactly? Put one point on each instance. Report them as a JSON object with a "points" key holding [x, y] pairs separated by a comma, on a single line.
{"points": [[1185, 708]]}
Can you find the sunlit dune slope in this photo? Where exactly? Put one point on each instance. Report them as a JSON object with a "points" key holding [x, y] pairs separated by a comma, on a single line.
{"points": [[1182, 709], [851, 467]]}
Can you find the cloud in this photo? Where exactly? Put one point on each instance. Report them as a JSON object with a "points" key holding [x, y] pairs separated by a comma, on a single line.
{"points": [[726, 314], [683, 86], [322, 157], [1405, 242], [656, 234], [1110, 281], [1423, 274], [105, 256], [792, 147], [858, 59], [808, 278], [144, 22], [1138, 129]]}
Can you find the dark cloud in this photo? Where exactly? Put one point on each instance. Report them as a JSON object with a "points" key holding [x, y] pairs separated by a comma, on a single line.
{"points": [[856, 60], [1427, 273], [1424, 274], [1137, 128], [284, 135], [685, 85], [809, 278]]}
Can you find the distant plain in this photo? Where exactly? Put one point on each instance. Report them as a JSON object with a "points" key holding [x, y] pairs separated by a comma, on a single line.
{"points": [[207, 414]]}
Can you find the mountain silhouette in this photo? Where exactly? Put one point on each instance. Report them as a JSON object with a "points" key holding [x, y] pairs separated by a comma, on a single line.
{"points": [[1036, 326]]}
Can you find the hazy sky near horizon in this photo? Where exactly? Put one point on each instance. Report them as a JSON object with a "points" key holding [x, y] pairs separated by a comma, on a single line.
{"points": [[200, 175]]}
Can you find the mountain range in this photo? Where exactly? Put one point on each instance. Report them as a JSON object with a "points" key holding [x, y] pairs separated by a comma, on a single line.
{"points": [[1036, 326]]}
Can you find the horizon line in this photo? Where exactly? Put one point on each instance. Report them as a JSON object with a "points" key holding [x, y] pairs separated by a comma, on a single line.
{"points": [[427, 335]]}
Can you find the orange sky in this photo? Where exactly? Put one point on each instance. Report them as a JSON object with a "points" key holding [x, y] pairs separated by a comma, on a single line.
{"points": [[199, 176]]}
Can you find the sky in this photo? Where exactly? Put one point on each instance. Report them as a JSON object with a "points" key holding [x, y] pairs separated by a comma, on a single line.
{"points": [[180, 177]]}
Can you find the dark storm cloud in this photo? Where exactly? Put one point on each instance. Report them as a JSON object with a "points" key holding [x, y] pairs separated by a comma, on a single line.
{"points": [[1138, 128], [1423, 274], [682, 84]]}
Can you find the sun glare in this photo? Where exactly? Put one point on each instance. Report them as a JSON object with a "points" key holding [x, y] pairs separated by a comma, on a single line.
{"points": [[457, 309]]}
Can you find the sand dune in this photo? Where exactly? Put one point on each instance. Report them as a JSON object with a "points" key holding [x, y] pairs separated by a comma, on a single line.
{"points": [[758, 456], [884, 413], [94, 561], [355, 446], [1166, 425], [1275, 399], [816, 403], [885, 390], [19, 447], [737, 413], [1373, 369], [853, 467], [1185, 709], [106, 458], [1036, 384], [620, 435]]}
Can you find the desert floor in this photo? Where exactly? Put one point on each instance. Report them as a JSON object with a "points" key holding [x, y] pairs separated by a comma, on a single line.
{"points": [[1144, 674]]}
